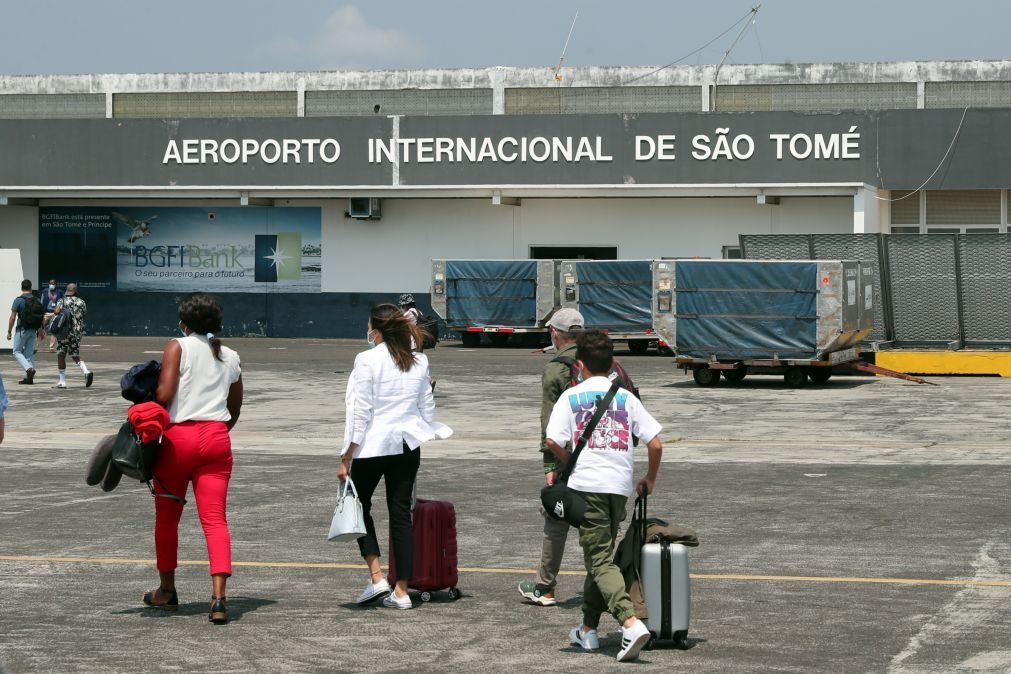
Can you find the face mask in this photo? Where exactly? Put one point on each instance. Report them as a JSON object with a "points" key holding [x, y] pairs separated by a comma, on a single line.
{"points": [[182, 330], [368, 338], [52, 287]]}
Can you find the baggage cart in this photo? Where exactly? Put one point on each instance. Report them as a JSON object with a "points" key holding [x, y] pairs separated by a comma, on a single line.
{"points": [[495, 297], [614, 296]]}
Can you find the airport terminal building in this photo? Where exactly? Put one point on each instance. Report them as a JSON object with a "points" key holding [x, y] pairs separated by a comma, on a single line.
{"points": [[302, 198]]}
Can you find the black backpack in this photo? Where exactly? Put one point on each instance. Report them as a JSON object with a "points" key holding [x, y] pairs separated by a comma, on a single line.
{"points": [[34, 312], [61, 324]]}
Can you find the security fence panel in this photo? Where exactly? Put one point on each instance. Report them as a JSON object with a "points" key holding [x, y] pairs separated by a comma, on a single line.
{"points": [[863, 247], [923, 270], [985, 267], [776, 246]]}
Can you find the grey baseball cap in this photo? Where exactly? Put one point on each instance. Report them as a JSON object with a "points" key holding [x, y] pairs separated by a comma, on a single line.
{"points": [[567, 320]]}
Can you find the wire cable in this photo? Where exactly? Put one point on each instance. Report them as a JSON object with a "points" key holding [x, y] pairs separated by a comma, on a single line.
{"points": [[939, 165], [689, 54]]}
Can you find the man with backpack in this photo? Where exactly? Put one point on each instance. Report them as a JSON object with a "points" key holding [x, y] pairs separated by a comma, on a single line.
{"points": [[28, 311], [560, 373], [606, 416]]}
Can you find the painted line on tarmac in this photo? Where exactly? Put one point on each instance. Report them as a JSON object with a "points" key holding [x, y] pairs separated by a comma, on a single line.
{"points": [[508, 570]]}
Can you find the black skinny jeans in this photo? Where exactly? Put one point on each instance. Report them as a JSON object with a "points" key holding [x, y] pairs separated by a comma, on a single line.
{"points": [[400, 471]]}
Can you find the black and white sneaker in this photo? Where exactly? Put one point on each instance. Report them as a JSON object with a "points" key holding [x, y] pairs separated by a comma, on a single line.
{"points": [[374, 591], [632, 641]]}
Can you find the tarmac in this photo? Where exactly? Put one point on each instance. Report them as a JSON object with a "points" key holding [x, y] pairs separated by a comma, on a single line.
{"points": [[858, 526]]}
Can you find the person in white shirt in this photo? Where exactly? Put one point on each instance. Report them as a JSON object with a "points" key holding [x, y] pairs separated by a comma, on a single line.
{"points": [[603, 477], [201, 387], [391, 411]]}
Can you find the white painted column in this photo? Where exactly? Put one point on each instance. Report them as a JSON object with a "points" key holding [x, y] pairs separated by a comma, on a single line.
{"points": [[866, 211]]}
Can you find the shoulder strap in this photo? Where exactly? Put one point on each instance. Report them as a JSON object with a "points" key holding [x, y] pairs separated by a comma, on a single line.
{"points": [[600, 406], [564, 360]]}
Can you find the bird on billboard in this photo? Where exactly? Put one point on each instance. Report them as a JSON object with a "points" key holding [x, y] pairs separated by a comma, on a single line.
{"points": [[140, 228]]}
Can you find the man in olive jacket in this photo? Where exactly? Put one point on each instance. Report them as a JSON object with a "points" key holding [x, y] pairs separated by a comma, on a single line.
{"points": [[564, 325]]}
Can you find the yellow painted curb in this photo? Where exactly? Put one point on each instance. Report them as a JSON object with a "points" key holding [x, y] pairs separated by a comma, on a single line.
{"points": [[946, 362]]}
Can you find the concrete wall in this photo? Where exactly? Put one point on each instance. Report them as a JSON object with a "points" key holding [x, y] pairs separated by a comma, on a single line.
{"points": [[19, 228], [392, 255]]}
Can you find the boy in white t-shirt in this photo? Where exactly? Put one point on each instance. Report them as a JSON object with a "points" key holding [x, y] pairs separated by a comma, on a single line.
{"points": [[603, 476]]}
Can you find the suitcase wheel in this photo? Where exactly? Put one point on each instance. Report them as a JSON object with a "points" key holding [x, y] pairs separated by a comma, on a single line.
{"points": [[650, 644], [453, 593], [426, 596]]}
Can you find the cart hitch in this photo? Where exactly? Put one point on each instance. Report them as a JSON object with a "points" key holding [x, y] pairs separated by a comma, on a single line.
{"points": [[860, 366]]}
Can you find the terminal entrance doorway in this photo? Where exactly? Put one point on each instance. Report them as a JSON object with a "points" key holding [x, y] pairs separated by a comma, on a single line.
{"points": [[573, 252]]}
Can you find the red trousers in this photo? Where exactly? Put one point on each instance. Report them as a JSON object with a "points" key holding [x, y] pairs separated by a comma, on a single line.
{"points": [[201, 452]]}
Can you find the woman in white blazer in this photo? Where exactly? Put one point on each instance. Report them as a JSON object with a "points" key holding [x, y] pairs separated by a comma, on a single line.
{"points": [[391, 411]]}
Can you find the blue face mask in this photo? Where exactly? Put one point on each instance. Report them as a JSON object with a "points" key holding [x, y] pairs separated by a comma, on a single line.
{"points": [[52, 287], [368, 338]]}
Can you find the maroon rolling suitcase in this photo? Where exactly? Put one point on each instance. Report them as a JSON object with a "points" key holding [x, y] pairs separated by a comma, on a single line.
{"points": [[434, 550]]}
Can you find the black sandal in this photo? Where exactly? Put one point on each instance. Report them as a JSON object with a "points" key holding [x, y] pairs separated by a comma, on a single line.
{"points": [[171, 605], [219, 613]]}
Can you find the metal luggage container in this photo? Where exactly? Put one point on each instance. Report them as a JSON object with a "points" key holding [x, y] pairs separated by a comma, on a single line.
{"points": [[497, 297], [763, 316], [612, 295]]}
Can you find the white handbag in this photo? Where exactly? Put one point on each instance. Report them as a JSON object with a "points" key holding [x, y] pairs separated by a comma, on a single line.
{"points": [[348, 522]]}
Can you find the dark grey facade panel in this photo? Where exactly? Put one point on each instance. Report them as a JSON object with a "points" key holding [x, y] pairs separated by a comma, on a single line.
{"points": [[89, 153], [894, 149], [52, 106], [618, 141]]}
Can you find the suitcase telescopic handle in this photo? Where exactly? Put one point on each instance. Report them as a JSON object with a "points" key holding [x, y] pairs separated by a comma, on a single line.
{"points": [[640, 506]]}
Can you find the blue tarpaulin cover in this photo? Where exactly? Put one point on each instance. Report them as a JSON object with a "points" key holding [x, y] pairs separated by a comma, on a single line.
{"points": [[491, 292], [616, 295], [741, 310]]}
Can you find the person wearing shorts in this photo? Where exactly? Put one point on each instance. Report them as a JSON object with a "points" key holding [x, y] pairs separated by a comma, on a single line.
{"points": [[71, 344]]}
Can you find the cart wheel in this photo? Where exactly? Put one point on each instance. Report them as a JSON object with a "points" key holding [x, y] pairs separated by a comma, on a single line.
{"points": [[470, 339], [737, 375], [426, 596], [681, 640], [706, 376], [795, 377], [453, 593], [637, 347], [498, 339], [820, 375]]}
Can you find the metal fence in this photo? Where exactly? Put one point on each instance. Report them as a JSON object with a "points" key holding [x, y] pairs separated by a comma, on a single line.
{"points": [[950, 290]]}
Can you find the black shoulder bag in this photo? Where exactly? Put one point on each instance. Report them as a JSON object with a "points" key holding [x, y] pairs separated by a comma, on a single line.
{"points": [[135, 458], [560, 502]]}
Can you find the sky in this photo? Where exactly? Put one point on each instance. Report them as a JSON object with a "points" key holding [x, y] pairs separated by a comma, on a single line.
{"points": [[143, 36]]}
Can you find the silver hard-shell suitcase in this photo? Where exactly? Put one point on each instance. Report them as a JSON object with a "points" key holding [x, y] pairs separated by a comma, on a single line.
{"points": [[663, 574]]}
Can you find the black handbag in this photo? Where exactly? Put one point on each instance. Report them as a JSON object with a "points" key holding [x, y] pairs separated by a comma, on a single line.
{"points": [[560, 502], [135, 458]]}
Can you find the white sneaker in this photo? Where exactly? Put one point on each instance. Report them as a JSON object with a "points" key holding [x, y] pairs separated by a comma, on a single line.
{"points": [[588, 640], [632, 641], [393, 601], [374, 591]]}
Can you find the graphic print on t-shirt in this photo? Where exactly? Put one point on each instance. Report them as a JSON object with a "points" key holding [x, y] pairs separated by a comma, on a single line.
{"points": [[612, 431]]}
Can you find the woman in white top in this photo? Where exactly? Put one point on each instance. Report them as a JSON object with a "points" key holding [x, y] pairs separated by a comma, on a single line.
{"points": [[391, 411], [201, 387]]}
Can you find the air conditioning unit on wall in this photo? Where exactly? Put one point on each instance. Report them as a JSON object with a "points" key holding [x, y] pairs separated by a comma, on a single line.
{"points": [[365, 208]]}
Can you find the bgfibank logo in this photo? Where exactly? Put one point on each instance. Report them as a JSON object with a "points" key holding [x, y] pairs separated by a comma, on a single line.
{"points": [[278, 257]]}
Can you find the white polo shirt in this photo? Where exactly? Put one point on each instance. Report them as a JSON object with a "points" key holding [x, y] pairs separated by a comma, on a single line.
{"points": [[606, 462]]}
